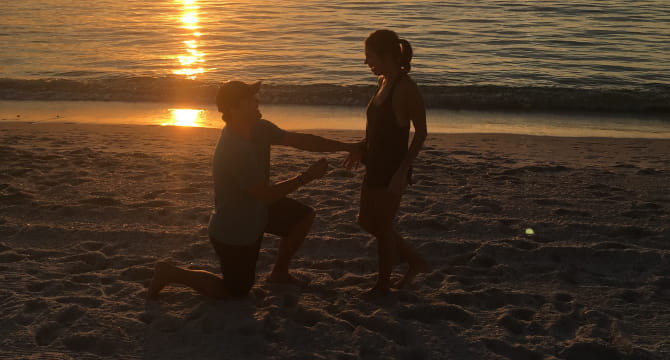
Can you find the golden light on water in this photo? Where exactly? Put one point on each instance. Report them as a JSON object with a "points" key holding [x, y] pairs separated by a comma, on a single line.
{"points": [[186, 117], [190, 20], [191, 62]]}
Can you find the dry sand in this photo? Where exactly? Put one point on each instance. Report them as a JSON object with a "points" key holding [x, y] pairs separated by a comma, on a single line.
{"points": [[86, 211]]}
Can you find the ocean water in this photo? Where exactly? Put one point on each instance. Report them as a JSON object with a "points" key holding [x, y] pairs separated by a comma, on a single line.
{"points": [[608, 55]]}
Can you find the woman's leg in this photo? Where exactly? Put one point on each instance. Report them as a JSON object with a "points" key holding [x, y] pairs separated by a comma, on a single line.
{"points": [[376, 216], [417, 264]]}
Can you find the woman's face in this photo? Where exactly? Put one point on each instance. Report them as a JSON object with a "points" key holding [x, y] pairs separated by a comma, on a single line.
{"points": [[376, 63]]}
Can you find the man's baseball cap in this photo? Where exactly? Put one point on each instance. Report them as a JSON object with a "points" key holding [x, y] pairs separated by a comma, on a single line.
{"points": [[231, 92]]}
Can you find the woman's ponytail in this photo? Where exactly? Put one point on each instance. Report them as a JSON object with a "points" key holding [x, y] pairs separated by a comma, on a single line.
{"points": [[405, 56]]}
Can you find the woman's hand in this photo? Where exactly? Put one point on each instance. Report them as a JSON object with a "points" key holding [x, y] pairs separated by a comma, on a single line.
{"points": [[398, 181], [353, 160]]}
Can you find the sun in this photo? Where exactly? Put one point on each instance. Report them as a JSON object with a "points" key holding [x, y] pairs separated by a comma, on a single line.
{"points": [[186, 117]]}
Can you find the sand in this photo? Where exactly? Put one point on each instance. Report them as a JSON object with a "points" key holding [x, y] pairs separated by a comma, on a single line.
{"points": [[542, 248]]}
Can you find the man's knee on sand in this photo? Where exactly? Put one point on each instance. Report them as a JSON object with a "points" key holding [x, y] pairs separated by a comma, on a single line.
{"points": [[239, 289], [237, 282]]}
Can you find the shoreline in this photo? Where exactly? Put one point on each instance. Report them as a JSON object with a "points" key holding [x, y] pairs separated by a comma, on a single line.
{"points": [[310, 117]]}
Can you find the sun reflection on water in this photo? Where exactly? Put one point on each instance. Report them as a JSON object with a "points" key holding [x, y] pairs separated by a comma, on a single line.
{"points": [[191, 62], [186, 117]]}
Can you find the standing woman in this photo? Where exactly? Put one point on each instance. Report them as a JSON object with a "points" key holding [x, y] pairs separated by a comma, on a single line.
{"points": [[387, 159]]}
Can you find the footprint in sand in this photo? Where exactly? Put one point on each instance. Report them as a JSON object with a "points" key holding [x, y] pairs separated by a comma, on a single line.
{"points": [[437, 312], [629, 296], [510, 351], [662, 287], [598, 318], [15, 196], [97, 345], [152, 204], [572, 213], [378, 322], [308, 317], [524, 314], [46, 333], [414, 222], [137, 273], [591, 351], [92, 245], [32, 310], [154, 194], [511, 324], [35, 305], [101, 201], [167, 323], [83, 301], [37, 286], [49, 331], [562, 301], [565, 327], [10, 257], [86, 262], [70, 314], [649, 171], [492, 298]]}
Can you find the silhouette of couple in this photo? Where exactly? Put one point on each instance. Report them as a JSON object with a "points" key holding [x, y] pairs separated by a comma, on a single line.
{"points": [[247, 205]]}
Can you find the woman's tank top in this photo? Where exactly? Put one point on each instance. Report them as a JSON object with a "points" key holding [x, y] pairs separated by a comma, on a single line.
{"points": [[386, 145]]}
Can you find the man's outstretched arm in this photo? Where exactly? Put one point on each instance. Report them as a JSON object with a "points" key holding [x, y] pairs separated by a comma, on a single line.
{"points": [[316, 143]]}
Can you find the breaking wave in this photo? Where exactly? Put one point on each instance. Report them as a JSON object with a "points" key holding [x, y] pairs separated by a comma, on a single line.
{"points": [[652, 99]]}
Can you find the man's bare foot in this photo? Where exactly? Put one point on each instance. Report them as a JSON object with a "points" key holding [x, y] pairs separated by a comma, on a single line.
{"points": [[284, 278], [159, 280], [414, 270]]}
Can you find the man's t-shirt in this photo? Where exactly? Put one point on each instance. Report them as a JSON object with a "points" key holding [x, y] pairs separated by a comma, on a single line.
{"points": [[239, 218]]}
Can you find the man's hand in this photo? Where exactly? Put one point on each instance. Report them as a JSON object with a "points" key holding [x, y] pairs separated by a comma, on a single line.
{"points": [[316, 170], [271, 193]]}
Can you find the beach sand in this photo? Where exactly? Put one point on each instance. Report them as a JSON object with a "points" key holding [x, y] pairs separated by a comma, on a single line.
{"points": [[542, 248]]}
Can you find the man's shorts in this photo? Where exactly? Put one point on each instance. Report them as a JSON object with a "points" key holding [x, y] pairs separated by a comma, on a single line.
{"points": [[238, 263]]}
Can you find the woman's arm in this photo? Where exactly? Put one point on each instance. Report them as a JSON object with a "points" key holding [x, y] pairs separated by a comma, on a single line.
{"points": [[413, 110], [417, 114]]}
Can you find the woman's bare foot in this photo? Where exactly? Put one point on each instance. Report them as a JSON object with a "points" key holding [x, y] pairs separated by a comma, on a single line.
{"points": [[376, 292], [414, 269], [160, 279]]}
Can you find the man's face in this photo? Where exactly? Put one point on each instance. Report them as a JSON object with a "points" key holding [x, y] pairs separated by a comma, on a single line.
{"points": [[248, 108]]}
